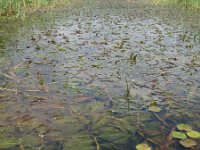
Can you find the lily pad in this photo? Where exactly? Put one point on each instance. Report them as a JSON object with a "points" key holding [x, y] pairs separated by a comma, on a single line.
{"points": [[178, 135], [193, 134], [188, 143], [154, 109], [153, 103], [184, 127], [8, 143], [143, 147]]}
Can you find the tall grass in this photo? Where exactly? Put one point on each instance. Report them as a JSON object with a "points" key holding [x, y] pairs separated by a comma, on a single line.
{"points": [[186, 3], [20, 7]]}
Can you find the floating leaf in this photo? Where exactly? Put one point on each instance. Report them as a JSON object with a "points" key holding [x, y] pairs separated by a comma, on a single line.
{"points": [[143, 147], [8, 143], [193, 134], [153, 103], [184, 127], [154, 109], [178, 135], [61, 49], [96, 65], [188, 143]]}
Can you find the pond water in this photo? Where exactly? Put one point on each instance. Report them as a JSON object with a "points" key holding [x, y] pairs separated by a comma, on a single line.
{"points": [[103, 74]]}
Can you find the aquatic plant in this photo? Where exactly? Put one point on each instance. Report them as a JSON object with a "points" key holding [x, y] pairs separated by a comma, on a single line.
{"points": [[133, 58], [64, 88], [143, 147], [128, 89], [20, 7], [186, 138], [185, 3]]}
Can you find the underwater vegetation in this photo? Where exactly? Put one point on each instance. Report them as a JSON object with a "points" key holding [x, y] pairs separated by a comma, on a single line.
{"points": [[106, 75]]}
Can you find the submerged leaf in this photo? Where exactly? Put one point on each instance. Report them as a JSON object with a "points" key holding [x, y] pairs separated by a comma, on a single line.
{"points": [[193, 134], [99, 121], [143, 147], [8, 143], [184, 127], [154, 109], [31, 140], [81, 141], [188, 143], [178, 135]]}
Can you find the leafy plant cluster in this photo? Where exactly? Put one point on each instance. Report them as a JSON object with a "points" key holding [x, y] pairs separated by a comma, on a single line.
{"points": [[186, 135]]}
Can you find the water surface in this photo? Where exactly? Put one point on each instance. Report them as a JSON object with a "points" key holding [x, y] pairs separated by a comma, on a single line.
{"points": [[85, 78]]}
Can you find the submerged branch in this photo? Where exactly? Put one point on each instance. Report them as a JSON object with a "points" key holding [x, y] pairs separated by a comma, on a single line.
{"points": [[97, 144], [148, 139], [161, 120]]}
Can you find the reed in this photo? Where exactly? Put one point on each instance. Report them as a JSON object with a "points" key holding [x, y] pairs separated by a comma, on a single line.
{"points": [[20, 7], [186, 3]]}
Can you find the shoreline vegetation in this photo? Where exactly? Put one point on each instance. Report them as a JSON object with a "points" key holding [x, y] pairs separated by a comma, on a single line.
{"points": [[19, 8], [189, 4]]}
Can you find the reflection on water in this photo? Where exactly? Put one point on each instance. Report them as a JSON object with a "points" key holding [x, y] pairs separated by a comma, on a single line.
{"points": [[99, 79]]}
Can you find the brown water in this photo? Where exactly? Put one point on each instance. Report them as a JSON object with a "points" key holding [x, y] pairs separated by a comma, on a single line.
{"points": [[86, 78]]}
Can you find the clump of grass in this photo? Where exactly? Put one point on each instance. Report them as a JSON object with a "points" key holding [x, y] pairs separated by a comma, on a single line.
{"points": [[186, 3], [20, 7], [8, 7]]}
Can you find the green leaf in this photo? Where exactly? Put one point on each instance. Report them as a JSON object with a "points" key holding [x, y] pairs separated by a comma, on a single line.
{"points": [[110, 134], [61, 49], [178, 135], [81, 141], [184, 127], [99, 122], [31, 140], [188, 143], [143, 147], [154, 109], [96, 65], [193, 134], [8, 143], [153, 103]]}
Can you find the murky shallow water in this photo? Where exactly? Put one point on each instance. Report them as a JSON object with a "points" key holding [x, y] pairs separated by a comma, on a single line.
{"points": [[65, 86]]}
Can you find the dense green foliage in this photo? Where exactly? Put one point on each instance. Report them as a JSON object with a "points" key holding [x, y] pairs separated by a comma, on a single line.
{"points": [[20, 7], [185, 3]]}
